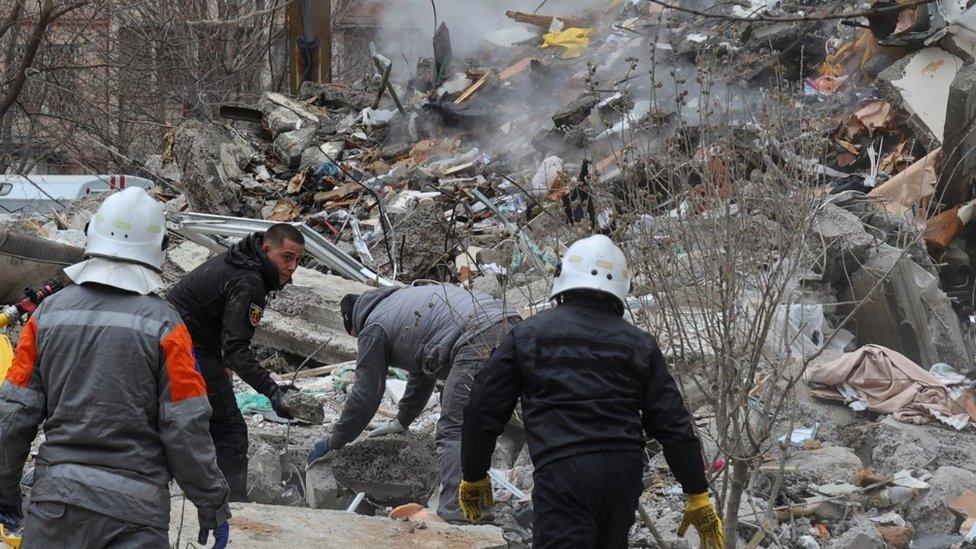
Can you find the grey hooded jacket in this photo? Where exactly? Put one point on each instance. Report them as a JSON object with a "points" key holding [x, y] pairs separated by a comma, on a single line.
{"points": [[112, 377], [418, 329]]}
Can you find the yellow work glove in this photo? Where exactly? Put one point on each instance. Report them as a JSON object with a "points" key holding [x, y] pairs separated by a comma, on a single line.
{"points": [[473, 497], [701, 513]]}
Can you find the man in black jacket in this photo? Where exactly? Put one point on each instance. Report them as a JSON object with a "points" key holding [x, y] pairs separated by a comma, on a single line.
{"points": [[591, 386], [221, 303]]}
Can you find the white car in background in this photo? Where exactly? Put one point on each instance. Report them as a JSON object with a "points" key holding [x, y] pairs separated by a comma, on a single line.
{"points": [[40, 193]]}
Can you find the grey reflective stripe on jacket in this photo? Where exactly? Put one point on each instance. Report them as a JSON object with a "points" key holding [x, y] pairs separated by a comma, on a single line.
{"points": [[123, 409], [425, 325]]}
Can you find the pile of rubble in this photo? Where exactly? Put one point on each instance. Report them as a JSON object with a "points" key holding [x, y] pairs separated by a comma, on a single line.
{"points": [[479, 171]]}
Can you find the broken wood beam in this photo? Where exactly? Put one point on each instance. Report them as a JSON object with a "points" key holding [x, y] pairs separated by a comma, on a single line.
{"points": [[383, 82], [381, 68], [545, 21], [321, 370], [515, 69], [472, 89]]}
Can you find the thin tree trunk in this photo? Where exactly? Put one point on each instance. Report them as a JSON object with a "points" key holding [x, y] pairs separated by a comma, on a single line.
{"points": [[740, 477]]}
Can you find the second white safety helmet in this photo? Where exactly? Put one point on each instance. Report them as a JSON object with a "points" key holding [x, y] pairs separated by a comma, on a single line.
{"points": [[129, 226], [593, 263]]}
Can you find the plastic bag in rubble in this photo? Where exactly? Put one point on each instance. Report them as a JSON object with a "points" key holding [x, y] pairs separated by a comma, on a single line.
{"points": [[252, 403], [801, 331], [574, 39], [548, 173], [371, 118], [325, 169]]}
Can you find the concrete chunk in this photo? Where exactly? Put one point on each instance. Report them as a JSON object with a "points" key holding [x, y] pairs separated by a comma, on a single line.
{"points": [[289, 146], [205, 155], [862, 535], [321, 488], [956, 178], [906, 446], [847, 243], [908, 312], [826, 464], [393, 469], [919, 84], [931, 514]]}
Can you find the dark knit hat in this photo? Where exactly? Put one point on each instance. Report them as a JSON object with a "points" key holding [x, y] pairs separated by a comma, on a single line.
{"points": [[346, 306]]}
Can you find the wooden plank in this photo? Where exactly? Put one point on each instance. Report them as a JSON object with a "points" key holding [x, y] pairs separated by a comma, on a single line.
{"points": [[457, 169], [320, 371], [472, 89], [515, 69], [545, 21]]}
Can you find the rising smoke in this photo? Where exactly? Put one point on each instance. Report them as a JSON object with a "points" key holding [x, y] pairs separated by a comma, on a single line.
{"points": [[407, 27]]}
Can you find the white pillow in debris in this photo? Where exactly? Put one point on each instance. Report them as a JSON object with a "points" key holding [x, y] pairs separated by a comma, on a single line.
{"points": [[547, 174]]}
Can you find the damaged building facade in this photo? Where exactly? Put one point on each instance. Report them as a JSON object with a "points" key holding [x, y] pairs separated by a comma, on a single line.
{"points": [[792, 185]]}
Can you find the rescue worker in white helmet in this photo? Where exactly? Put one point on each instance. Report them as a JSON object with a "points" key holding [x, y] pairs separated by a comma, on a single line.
{"points": [[107, 366], [591, 385]]}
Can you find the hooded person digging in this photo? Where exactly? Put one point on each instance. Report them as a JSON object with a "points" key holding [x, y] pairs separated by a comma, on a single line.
{"points": [[434, 332]]}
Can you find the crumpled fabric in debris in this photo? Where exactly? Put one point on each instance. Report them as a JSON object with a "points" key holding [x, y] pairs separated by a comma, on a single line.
{"points": [[574, 39], [890, 383]]}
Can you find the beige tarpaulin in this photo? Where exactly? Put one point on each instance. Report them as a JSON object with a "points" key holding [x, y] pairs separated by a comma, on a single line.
{"points": [[913, 186], [890, 383]]}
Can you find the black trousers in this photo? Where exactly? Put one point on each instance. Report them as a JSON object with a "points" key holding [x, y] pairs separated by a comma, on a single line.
{"points": [[587, 500], [227, 426]]}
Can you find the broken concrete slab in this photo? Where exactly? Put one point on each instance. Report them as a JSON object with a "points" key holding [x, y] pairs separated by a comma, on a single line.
{"points": [[315, 297], [920, 83], [321, 487], [334, 96], [908, 312], [824, 465], [204, 154], [255, 525], [281, 120], [931, 514], [319, 153], [847, 244], [862, 535], [289, 146], [265, 476], [302, 338], [575, 112], [955, 184], [906, 446], [305, 314], [188, 255], [273, 100], [392, 469]]}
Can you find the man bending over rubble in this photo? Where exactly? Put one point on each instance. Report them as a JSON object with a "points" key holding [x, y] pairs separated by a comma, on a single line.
{"points": [[590, 383], [108, 368], [222, 302], [438, 331]]}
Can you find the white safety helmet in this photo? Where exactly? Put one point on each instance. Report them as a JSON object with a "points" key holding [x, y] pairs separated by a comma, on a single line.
{"points": [[593, 263], [129, 226], [126, 241]]}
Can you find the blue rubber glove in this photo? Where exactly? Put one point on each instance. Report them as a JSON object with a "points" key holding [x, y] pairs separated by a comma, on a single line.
{"points": [[221, 536], [319, 452]]}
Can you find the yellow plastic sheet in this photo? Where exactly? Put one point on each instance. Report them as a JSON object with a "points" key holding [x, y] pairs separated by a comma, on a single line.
{"points": [[6, 355], [574, 39]]}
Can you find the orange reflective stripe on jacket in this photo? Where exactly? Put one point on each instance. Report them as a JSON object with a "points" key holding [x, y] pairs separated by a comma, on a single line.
{"points": [[25, 357], [184, 379]]}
